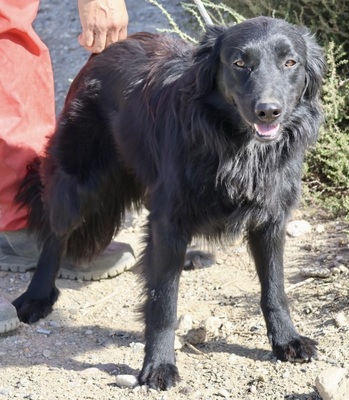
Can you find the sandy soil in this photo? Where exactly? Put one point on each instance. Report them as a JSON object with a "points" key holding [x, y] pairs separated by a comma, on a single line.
{"points": [[94, 332]]}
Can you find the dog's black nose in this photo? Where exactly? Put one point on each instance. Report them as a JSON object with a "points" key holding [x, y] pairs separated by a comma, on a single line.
{"points": [[268, 112]]}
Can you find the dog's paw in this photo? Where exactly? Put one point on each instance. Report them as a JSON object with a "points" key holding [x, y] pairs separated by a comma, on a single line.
{"points": [[160, 377], [301, 349], [30, 310]]}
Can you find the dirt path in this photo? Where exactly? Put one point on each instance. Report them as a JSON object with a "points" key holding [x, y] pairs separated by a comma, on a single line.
{"points": [[93, 333]]}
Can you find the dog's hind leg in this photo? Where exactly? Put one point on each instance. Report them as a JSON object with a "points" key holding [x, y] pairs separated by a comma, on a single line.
{"points": [[37, 301], [163, 262], [267, 246], [83, 192]]}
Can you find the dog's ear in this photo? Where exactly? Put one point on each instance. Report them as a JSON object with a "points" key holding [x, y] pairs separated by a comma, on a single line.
{"points": [[206, 59], [315, 67]]}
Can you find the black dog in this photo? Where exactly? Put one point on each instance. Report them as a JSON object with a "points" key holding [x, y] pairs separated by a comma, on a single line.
{"points": [[213, 137]]}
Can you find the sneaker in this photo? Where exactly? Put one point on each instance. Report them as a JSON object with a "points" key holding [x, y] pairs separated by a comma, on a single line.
{"points": [[19, 253], [8, 316]]}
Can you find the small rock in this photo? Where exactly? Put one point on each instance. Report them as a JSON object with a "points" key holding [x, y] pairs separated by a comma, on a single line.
{"points": [[43, 331], [333, 384], [286, 375], [179, 342], [89, 332], [253, 389], [185, 323], [90, 373], [256, 328], [196, 336], [344, 270], [298, 228], [54, 324], [320, 228], [315, 272], [335, 271], [143, 388], [25, 277], [47, 353], [137, 345], [340, 320], [224, 393], [126, 381], [212, 325]]}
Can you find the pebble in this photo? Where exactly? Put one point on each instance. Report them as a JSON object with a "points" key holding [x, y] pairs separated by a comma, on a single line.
{"points": [[25, 277], [333, 384], [89, 372], [43, 331], [224, 393], [126, 381], [47, 353], [344, 270], [212, 326], [179, 342], [143, 388], [298, 228], [196, 336], [89, 332], [54, 324], [137, 345], [340, 320], [315, 272], [185, 323], [253, 389], [320, 228]]}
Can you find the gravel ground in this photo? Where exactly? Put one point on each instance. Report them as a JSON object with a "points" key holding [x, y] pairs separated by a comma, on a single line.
{"points": [[93, 334]]}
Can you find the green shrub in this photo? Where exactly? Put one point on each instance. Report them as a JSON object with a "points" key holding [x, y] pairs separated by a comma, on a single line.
{"points": [[327, 174]]}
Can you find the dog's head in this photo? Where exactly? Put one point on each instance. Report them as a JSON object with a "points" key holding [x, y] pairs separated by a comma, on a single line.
{"points": [[265, 67]]}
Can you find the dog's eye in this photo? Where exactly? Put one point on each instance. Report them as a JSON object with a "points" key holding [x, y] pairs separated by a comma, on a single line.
{"points": [[290, 63], [240, 64]]}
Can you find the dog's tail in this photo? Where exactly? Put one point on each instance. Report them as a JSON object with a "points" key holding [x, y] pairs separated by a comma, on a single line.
{"points": [[29, 196]]}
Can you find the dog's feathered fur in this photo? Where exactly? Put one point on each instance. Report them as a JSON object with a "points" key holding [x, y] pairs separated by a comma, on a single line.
{"points": [[211, 137]]}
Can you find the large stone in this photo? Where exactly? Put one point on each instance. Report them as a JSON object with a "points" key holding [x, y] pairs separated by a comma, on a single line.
{"points": [[333, 384], [298, 228]]}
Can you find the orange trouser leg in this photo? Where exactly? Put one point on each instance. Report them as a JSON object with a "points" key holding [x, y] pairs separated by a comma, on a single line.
{"points": [[27, 114]]}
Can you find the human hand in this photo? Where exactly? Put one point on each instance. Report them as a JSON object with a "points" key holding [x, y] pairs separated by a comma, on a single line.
{"points": [[103, 22]]}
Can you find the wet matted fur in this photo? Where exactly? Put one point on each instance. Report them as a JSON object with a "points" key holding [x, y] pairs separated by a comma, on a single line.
{"points": [[212, 136]]}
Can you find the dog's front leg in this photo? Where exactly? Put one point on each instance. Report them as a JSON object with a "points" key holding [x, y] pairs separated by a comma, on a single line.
{"points": [[163, 262], [37, 301], [267, 247]]}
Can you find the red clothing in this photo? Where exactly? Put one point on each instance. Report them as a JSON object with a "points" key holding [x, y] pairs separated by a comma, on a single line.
{"points": [[27, 114]]}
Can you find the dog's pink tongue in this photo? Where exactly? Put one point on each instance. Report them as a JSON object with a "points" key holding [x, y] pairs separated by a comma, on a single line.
{"points": [[267, 130]]}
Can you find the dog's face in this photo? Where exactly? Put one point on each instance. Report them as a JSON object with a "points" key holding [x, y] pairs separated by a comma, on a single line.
{"points": [[266, 67]]}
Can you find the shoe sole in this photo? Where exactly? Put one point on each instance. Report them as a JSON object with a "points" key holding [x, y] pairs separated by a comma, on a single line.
{"points": [[16, 264], [9, 325], [22, 265], [98, 275]]}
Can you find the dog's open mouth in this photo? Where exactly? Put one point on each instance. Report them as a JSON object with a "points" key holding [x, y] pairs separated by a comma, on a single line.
{"points": [[266, 131]]}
